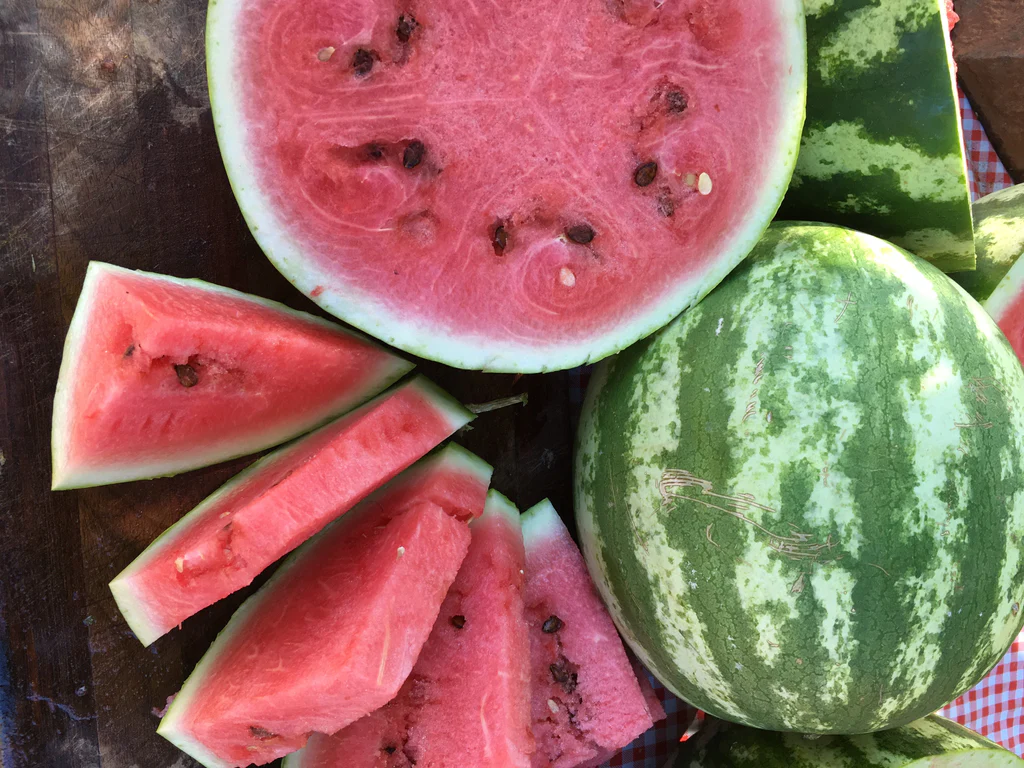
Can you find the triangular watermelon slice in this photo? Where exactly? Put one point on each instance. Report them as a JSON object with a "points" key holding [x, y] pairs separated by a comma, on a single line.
{"points": [[336, 631], [279, 502], [466, 703], [162, 375], [587, 701]]}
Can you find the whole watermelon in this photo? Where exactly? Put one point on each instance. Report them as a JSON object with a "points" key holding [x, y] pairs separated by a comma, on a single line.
{"points": [[803, 501]]}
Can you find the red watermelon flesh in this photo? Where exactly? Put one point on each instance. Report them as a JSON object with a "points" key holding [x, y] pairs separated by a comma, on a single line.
{"points": [[162, 375], [587, 701], [279, 502], [520, 186], [336, 631], [1006, 304], [466, 702]]}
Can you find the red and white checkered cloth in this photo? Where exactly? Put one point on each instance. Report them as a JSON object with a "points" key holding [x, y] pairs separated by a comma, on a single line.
{"points": [[993, 708]]}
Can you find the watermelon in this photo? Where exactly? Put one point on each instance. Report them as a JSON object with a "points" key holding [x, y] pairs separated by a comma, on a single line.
{"points": [[395, 162], [803, 501], [335, 632], [587, 701], [882, 149], [466, 702], [998, 239], [162, 375], [279, 502], [933, 742]]}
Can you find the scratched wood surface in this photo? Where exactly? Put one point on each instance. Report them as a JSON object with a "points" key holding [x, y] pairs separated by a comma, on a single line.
{"points": [[107, 152]]}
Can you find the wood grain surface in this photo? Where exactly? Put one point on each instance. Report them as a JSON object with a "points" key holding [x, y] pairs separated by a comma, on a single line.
{"points": [[107, 152]]}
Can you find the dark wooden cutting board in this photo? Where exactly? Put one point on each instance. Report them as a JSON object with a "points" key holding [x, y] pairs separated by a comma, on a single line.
{"points": [[107, 152]]}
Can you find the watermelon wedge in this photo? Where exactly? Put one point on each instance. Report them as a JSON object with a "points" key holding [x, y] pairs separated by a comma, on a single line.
{"points": [[509, 187], [932, 742], [466, 702], [587, 702], [998, 240], [162, 375], [882, 150], [334, 634], [279, 502]]}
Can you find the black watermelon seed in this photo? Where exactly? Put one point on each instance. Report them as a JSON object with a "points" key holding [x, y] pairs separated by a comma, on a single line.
{"points": [[458, 621], [391, 749], [362, 62], [500, 239], [564, 676], [552, 624], [406, 26], [580, 233], [187, 375], [375, 151], [261, 733], [130, 351], [676, 101], [645, 173], [413, 154]]}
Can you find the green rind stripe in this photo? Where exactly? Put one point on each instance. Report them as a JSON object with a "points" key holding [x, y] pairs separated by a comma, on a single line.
{"points": [[882, 144], [931, 742], [914, 501], [998, 239]]}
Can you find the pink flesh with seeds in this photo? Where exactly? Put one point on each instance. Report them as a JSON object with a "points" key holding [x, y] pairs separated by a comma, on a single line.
{"points": [[334, 636], [587, 702], [466, 702], [255, 370], [535, 117], [283, 502]]}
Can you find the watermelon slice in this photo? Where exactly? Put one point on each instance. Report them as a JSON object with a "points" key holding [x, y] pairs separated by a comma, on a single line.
{"points": [[334, 634], [279, 502], [587, 701], [466, 702], [514, 187], [162, 375]]}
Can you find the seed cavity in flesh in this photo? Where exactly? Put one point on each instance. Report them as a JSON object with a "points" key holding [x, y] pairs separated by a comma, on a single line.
{"points": [[500, 238], [130, 351], [187, 375], [261, 733], [391, 749], [406, 26], [676, 101], [645, 174], [666, 206], [413, 154], [324, 54], [362, 62], [552, 624], [458, 621], [374, 151], [563, 675], [580, 233]]}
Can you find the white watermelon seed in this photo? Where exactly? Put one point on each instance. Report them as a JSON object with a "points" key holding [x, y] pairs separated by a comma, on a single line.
{"points": [[704, 184], [180, 564], [324, 54], [401, 551], [553, 706], [567, 277]]}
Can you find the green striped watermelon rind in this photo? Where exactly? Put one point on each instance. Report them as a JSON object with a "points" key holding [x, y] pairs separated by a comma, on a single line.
{"points": [[883, 149], [999, 238], [790, 299], [70, 362], [134, 610], [452, 455], [286, 253], [932, 742]]}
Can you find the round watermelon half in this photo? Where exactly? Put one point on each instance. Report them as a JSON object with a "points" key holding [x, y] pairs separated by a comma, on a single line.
{"points": [[933, 742], [803, 501], [519, 187]]}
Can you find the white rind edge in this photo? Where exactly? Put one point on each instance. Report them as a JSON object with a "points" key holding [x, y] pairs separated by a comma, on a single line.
{"points": [[1006, 291], [463, 351], [498, 505], [64, 479], [133, 607], [541, 523]]}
